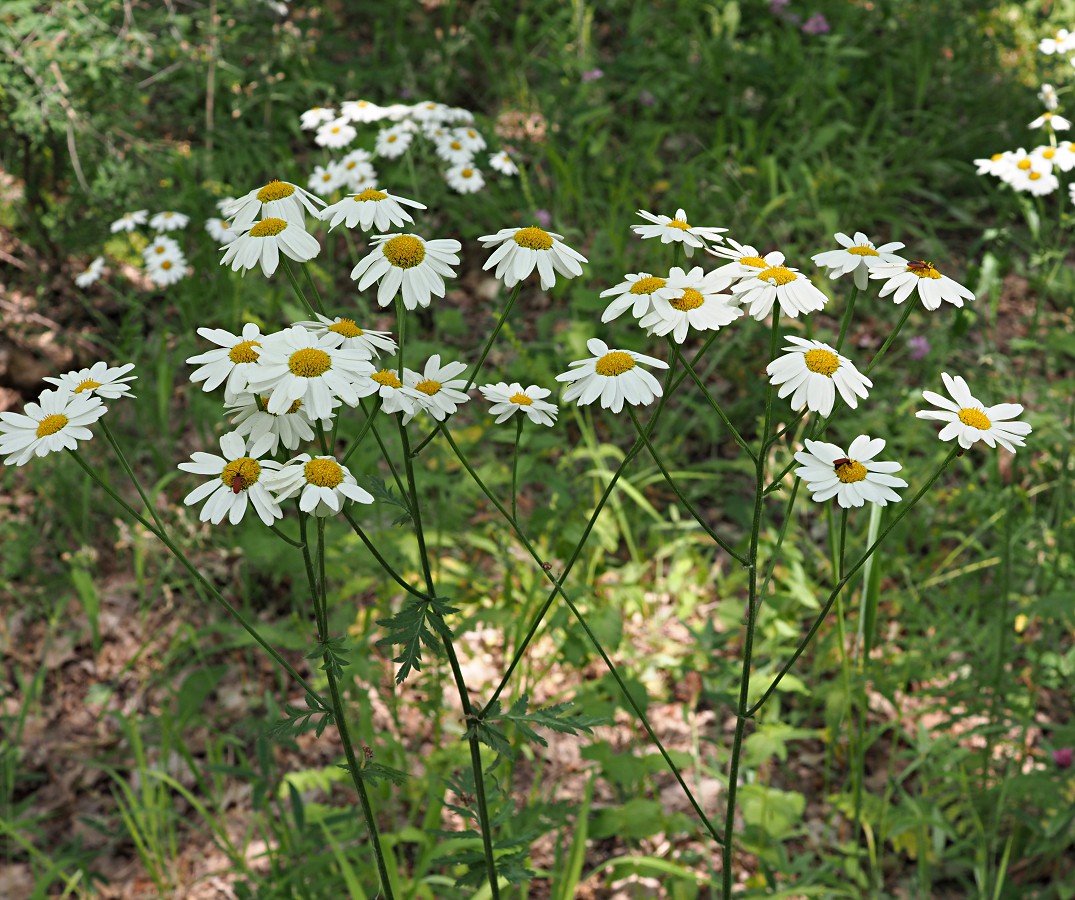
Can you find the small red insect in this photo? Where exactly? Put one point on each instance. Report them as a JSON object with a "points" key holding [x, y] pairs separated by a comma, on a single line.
{"points": [[836, 463], [237, 483]]}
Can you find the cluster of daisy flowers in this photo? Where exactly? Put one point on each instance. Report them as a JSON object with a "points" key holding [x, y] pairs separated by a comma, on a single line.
{"points": [[456, 143], [165, 262]]}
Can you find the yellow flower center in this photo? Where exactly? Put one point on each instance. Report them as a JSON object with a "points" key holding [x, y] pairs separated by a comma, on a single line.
{"points": [[455, 145], [1034, 176], [862, 250], [347, 328], [754, 262], [923, 269], [309, 363], [51, 424], [268, 227], [849, 470], [335, 129], [467, 173], [404, 251], [247, 470], [778, 275], [533, 238], [648, 285], [823, 362], [678, 223], [159, 249], [88, 385], [388, 378], [167, 215], [244, 352], [520, 399], [166, 265], [275, 190], [691, 299], [428, 386], [615, 363], [1048, 153], [323, 472], [1047, 116], [1023, 164], [327, 176], [350, 165], [369, 194], [996, 157], [392, 138], [975, 418]]}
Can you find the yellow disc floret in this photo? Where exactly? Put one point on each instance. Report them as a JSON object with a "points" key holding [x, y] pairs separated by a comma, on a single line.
{"points": [[404, 251], [975, 418], [347, 328], [428, 386], [323, 472], [615, 363], [823, 362], [275, 190], [51, 424], [244, 352], [268, 227], [1023, 164], [388, 378], [309, 363], [678, 223], [862, 250], [520, 399], [88, 385], [370, 194], [923, 269], [691, 299], [648, 285], [246, 470], [754, 262], [778, 275], [533, 238], [849, 470]]}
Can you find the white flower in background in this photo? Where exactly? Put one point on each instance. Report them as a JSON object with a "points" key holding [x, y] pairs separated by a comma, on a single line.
{"points": [[316, 116], [464, 178], [91, 273], [676, 229], [997, 165], [100, 379], [695, 302], [129, 221], [1051, 120], [357, 171], [224, 204], [522, 250], [352, 337], [470, 139], [778, 283], [429, 111], [459, 116], [163, 271], [1071, 192], [361, 111], [326, 179], [252, 419], [231, 362], [407, 263], [276, 200], [1047, 158], [441, 385], [745, 261], [905, 277], [854, 478], [1038, 182], [325, 485], [812, 372], [1018, 161], [508, 399], [162, 247], [219, 231], [1061, 42], [969, 420], [503, 163], [855, 256], [613, 376], [236, 481], [397, 112], [371, 210], [298, 365], [335, 134], [1048, 97], [169, 221], [263, 243], [395, 396], [57, 421], [637, 293], [436, 131], [393, 142], [452, 151]]}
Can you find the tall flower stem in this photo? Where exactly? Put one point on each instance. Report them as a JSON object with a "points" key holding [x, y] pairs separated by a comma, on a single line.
{"points": [[313, 287], [848, 315], [888, 341], [515, 468], [713, 403], [295, 285], [319, 595]]}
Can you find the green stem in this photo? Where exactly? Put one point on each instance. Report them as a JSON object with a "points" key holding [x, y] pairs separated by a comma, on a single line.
{"points": [[848, 313], [712, 402], [401, 321], [365, 427], [515, 468], [313, 287], [295, 285], [122, 457], [891, 337], [395, 576]]}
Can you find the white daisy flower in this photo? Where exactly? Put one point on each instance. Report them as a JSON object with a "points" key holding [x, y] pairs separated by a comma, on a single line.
{"points": [[237, 481], [263, 243], [91, 273], [614, 376], [361, 111], [969, 420], [324, 484], [429, 111], [169, 221], [906, 276], [1049, 98], [370, 210], [393, 142], [855, 256], [503, 163], [436, 131], [745, 261], [464, 178], [1018, 161], [695, 302], [998, 165], [231, 362], [219, 231], [1061, 42], [459, 116], [637, 293], [298, 365], [508, 399], [357, 170], [407, 263], [444, 390], [397, 112], [470, 138], [335, 134], [167, 270], [129, 221], [452, 151], [57, 421], [522, 250], [854, 478], [676, 229], [777, 282], [251, 418], [326, 179], [100, 379], [162, 247], [316, 116], [812, 372], [1038, 182], [373, 342], [395, 396], [1047, 158], [1051, 120], [224, 204], [275, 200]]}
